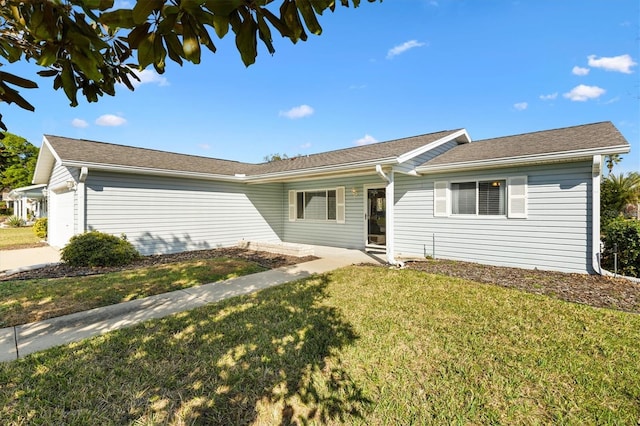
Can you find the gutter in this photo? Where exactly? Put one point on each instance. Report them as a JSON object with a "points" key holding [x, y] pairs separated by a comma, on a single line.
{"points": [[525, 159]]}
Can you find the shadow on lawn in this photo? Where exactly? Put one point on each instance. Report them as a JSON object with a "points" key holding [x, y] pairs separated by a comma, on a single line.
{"points": [[271, 357]]}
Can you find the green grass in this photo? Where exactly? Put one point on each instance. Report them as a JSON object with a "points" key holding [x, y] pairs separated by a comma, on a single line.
{"points": [[14, 238], [363, 345], [34, 300]]}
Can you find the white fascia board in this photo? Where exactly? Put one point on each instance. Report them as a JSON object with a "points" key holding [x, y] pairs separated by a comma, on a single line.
{"points": [[47, 158], [460, 134], [318, 172], [586, 154], [150, 171]]}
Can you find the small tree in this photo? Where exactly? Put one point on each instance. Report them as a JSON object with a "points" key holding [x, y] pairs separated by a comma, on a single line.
{"points": [[17, 161], [616, 192], [611, 160]]}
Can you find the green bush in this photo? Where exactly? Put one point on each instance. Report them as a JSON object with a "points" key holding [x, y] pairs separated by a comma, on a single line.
{"points": [[98, 249], [40, 227], [626, 234], [15, 222]]}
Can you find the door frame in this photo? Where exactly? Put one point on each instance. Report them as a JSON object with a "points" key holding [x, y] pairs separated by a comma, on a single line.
{"points": [[365, 229]]}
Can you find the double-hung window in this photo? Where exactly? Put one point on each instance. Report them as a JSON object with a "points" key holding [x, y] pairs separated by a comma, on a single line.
{"points": [[496, 197], [317, 205]]}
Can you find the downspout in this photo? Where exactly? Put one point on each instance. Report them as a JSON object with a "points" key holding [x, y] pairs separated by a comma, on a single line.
{"points": [[389, 196], [82, 200], [596, 169]]}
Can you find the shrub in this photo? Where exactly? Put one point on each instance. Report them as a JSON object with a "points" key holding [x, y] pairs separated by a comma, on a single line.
{"points": [[626, 234], [4, 209], [98, 249], [40, 227], [15, 222]]}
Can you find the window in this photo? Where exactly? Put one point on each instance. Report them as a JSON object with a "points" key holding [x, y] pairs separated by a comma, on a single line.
{"points": [[498, 197], [491, 197], [322, 205]]}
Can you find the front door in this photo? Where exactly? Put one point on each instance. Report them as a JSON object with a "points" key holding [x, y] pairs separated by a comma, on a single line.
{"points": [[376, 217]]}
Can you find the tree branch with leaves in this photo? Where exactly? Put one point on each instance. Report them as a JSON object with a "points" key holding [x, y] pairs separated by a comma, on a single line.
{"points": [[88, 46]]}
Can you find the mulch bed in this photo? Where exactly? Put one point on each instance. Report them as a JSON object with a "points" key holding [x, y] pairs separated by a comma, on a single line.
{"points": [[593, 290], [264, 259]]}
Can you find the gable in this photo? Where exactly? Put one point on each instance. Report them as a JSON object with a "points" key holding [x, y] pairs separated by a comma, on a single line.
{"points": [[567, 143]]}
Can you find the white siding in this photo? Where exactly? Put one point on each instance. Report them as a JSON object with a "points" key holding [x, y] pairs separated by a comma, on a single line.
{"points": [[351, 233], [555, 235], [166, 215]]}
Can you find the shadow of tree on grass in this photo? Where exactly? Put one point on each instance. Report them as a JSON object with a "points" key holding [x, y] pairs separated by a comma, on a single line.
{"points": [[271, 357]]}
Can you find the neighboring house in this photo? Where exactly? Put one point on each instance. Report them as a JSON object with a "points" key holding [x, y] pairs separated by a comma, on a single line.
{"points": [[28, 202], [528, 201]]}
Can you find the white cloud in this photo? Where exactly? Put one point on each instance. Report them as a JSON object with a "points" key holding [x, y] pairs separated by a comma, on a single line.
{"points": [[397, 50], [583, 93], [549, 97], [306, 145], [204, 146], [297, 112], [110, 120], [366, 140], [521, 106], [79, 123], [148, 77], [622, 63], [580, 71], [433, 3]]}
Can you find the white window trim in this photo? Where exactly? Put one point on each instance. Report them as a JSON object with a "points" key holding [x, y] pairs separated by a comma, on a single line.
{"points": [[340, 205], [509, 194]]}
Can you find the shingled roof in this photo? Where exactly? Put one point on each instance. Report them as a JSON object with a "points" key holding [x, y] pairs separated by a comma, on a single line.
{"points": [[566, 140], [91, 152], [82, 151], [573, 141], [371, 152]]}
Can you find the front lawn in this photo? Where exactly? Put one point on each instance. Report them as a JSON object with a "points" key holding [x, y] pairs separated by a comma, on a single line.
{"points": [[15, 238], [362, 345], [24, 301]]}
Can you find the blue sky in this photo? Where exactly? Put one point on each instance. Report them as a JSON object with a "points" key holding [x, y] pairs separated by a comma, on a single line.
{"points": [[379, 72]]}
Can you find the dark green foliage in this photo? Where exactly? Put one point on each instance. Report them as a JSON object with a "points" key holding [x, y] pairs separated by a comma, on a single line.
{"points": [[4, 209], [17, 161], [98, 249], [40, 227], [626, 234]]}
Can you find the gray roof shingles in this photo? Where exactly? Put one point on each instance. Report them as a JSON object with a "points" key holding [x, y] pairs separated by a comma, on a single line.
{"points": [[84, 151], [597, 135], [584, 137]]}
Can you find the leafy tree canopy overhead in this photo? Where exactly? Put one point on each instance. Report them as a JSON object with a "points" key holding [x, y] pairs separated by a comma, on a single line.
{"points": [[17, 161], [88, 46]]}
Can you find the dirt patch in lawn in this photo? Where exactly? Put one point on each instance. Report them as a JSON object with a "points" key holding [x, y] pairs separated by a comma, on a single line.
{"points": [[594, 290], [264, 259]]}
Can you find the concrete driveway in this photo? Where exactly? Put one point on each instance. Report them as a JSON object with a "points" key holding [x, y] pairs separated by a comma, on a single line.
{"points": [[28, 258]]}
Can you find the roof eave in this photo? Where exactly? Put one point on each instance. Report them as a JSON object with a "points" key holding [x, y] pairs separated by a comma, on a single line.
{"points": [[319, 172], [523, 160], [152, 171], [461, 136], [47, 158]]}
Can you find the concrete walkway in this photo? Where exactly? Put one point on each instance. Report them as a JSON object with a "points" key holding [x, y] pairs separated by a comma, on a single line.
{"points": [[30, 258], [18, 341]]}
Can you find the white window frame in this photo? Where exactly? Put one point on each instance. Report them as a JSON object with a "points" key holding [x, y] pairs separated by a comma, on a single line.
{"points": [[339, 205], [516, 198]]}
